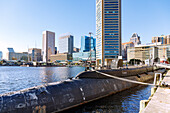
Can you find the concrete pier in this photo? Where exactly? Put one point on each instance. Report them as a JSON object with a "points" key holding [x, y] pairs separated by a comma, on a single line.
{"points": [[160, 102]]}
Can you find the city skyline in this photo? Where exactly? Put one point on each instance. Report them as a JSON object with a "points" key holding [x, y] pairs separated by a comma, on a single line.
{"points": [[22, 22]]}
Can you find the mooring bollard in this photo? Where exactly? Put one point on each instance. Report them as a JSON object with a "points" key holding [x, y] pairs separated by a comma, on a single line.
{"points": [[155, 79], [143, 104], [153, 90]]}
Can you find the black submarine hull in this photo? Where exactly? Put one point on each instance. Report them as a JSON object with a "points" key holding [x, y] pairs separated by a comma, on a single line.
{"points": [[60, 96]]}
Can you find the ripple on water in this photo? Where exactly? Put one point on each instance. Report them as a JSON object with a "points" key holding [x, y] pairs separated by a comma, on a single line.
{"points": [[17, 78], [127, 101]]}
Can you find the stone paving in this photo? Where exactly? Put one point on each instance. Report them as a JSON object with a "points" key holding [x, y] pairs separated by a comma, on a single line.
{"points": [[160, 102]]}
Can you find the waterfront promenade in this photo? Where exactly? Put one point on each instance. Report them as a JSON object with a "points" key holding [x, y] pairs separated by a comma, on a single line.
{"points": [[38, 96], [160, 102]]}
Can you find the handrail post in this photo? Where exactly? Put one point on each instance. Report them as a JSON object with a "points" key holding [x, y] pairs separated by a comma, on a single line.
{"points": [[160, 79]]}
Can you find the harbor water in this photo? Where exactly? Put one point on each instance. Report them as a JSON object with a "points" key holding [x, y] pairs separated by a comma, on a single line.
{"points": [[17, 78]]}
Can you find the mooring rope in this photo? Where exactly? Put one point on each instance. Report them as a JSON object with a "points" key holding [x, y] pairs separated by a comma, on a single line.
{"points": [[123, 79]]}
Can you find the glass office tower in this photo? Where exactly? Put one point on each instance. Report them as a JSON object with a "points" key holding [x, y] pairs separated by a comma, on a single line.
{"points": [[0, 55], [85, 44], [108, 31]]}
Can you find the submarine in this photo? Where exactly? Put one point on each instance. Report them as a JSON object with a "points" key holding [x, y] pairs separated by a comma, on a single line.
{"points": [[87, 86]]}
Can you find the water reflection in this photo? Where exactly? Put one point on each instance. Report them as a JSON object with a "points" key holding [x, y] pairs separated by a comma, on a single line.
{"points": [[47, 75], [17, 78], [124, 102]]}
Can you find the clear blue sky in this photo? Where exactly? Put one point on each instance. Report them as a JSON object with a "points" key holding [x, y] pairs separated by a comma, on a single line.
{"points": [[23, 21]]}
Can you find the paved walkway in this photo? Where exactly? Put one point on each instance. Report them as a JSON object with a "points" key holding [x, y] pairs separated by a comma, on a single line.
{"points": [[160, 102]]}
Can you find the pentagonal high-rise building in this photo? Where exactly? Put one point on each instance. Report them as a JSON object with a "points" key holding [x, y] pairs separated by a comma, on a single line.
{"points": [[108, 31]]}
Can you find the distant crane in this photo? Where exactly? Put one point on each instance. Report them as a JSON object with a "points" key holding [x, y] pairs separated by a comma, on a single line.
{"points": [[89, 58], [90, 33]]}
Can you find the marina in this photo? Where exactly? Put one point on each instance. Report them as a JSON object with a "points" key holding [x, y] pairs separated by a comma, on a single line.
{"points": [[64, 95], [84, 56]]}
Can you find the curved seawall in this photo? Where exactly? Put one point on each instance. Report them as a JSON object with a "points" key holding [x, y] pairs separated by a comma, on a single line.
{"points": [[59, 96]]}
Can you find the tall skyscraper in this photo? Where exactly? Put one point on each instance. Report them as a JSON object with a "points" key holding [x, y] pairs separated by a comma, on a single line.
{"points": [[48, 46], [85, 44], [0, 55], [135, 39], [108, 31], [66, 44]]}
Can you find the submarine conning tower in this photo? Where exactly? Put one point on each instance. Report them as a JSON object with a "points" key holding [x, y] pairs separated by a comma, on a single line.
{"points": [[122, 72]]}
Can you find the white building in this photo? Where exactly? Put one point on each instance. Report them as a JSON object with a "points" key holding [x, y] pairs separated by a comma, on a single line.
{"points": [[148, 51], [65, 44], [35, 54], [12, 55], [48, 46]]}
